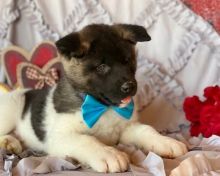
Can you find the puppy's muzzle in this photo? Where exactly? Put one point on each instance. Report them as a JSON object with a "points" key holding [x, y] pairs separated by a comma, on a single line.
{"points": [[129, 87]]}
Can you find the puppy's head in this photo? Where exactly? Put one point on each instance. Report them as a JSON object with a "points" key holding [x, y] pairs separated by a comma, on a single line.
{"points": [[100, 60]]}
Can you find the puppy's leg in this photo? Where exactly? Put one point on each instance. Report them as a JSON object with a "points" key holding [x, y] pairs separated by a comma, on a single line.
{"points": [[148, 139], [88, 150], [11, 144], [11, 107]]}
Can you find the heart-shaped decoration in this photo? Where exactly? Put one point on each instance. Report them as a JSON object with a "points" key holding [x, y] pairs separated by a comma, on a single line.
{"points": [[40, 55], [32, 76]]}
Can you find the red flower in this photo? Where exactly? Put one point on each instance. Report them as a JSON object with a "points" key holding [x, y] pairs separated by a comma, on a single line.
{"points": [[192, 107], [210, 118], [204, 116], [216, 129], [195, 129], [212, 93], [205, 130]]}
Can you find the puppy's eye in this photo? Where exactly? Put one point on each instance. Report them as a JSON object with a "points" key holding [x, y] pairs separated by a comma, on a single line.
{"points": [[126, 60], [103, 69]]}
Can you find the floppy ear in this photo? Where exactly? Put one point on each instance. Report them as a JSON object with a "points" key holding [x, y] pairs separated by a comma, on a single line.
{"points": [[71, 46], [132, 33]]}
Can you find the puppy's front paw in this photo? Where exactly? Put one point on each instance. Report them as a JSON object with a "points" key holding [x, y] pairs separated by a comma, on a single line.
{"points": [[173, 148], [10, 144], [109, 159], [167, 147]]}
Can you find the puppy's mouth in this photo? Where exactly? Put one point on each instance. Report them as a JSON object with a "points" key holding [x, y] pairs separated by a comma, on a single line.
{"points": [[125, 102], [121, 103]]}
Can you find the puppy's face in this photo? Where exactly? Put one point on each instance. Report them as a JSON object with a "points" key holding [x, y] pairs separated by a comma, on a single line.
{"points": [[100, 60]]}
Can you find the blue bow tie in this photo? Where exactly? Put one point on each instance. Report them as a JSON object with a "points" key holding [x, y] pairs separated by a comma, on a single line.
{"points": [[92, 110]]}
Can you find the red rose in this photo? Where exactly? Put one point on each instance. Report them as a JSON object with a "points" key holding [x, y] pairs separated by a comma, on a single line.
{"points": [[204, 116], [209, 102], [195, 129], [192, 107], [205, 130], [210, 119], [216, 129], [210, 114], [212, 93]]}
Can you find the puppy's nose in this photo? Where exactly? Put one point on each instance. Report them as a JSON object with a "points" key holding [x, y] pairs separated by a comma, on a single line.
{"points": [[128, 87]]}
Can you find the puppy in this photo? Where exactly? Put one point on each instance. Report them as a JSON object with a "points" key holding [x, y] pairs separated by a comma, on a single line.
{"points": [[99, 63]]}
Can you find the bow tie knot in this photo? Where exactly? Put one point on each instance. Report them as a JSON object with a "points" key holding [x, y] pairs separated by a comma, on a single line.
{"points": [[92, 110]]}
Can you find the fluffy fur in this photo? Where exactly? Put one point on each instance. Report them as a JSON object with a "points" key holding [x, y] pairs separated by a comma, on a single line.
{"points": [[51, 121]]}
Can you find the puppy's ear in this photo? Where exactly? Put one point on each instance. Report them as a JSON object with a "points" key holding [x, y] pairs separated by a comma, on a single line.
{"points": [[132, 33], [71, 46]]}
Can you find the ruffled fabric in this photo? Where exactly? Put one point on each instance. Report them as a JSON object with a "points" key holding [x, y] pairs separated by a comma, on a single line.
{"points": [[36, 19], [201, 32], [198, 31], [183, 52], [152, 81], [189, 20], [208, 9], [149, 15], [8, 15], [85, 12]]}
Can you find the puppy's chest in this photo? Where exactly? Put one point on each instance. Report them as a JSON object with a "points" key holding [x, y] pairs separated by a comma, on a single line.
{"points": [[109, 127]]}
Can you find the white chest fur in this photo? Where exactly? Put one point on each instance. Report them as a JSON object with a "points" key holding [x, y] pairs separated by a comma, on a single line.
{"points": [[107, 129]]}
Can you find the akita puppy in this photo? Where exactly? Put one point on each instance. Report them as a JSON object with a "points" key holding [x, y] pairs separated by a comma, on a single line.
{"points": [[91, 108]]}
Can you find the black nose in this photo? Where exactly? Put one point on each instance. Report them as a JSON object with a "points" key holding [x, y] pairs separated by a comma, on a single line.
{"points": [[128, 87]]}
